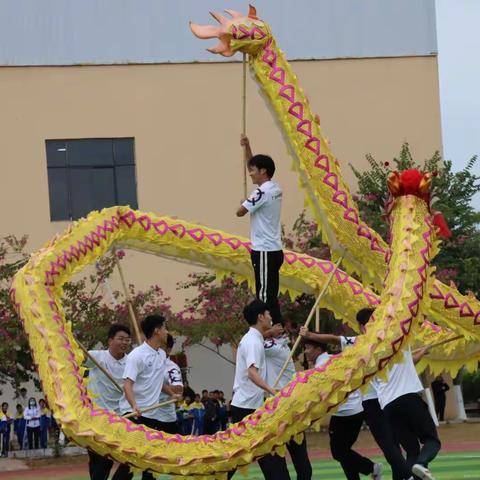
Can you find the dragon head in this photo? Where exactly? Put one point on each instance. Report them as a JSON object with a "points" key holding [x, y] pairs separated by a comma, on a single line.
{"points": [[243, 33], [414, 182]]}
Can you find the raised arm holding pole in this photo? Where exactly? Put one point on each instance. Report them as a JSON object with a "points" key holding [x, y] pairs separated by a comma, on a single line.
{"points": [[309, 318], [133, 318]]}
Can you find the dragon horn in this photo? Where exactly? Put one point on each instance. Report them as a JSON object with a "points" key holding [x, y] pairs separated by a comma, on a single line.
{"points": [[234, 13], [205, 31], [252, 12], [220, 18]]}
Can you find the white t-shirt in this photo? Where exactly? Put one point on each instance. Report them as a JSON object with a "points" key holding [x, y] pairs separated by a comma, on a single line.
{"points": [[106, 395], [264, 205], [173, 376], [250, 353], [353, 404], [32, 416], [146, 367], [402, 378], [277, 352]]}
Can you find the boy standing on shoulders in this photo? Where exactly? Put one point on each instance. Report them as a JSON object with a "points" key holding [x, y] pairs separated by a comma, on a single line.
{"points": [[250, 387], [264, 206]]}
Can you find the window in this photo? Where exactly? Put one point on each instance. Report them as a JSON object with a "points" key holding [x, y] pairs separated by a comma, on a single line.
{"points": [[90, 174]]}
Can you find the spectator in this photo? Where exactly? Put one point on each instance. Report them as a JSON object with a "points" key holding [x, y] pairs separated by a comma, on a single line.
{"points": [[204, 398], [187, 390], [19, 428], [5, 428], [32, 416], [439, 389], [198, 411], [22, 397], [187, 416], [211, 423], [223, 415], [45, 423]]}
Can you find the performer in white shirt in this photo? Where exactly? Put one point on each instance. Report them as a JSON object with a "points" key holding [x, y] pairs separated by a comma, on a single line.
{"points": [[105, 394], [264, 206], [346, 422], [250, 386], [167, 415], [277, 352], [144, 378]]}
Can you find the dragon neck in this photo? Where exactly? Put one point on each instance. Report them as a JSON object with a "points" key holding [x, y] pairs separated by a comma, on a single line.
{"points": [[320, 174]]}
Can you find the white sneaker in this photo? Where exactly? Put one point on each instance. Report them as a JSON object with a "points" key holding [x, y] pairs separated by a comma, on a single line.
{"points": [[377, 471], [422, 472]]}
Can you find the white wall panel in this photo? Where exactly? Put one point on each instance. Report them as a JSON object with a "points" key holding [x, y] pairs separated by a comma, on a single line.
{"points": [[66, 32]]}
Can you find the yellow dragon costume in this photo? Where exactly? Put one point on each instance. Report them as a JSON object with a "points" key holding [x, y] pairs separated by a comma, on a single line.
{"points": [[408, 293]]}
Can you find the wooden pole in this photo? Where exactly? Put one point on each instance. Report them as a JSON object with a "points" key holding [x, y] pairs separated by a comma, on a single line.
{"points": [[152, 407], [244, 123], [309, 318], [105, 372], [133, 318], [443, 342], [317, 319]]}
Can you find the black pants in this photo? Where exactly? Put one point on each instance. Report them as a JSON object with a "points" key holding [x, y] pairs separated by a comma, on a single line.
{"points": [[99, 467], [123, 471], [412, 423], [267, 279], [273, 467], [344, 432], [33, 435], [300, 459], [168, 427], [383, 435], [440, 403]]}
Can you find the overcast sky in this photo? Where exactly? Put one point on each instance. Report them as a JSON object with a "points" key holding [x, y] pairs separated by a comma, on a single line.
{"points": [[458, 24]]}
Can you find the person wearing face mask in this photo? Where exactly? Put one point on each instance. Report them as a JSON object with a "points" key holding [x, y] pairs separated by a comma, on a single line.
{"points": [[32, 416]]}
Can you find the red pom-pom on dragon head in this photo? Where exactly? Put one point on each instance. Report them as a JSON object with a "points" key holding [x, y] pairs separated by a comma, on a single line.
{"points": [[414, 182]]}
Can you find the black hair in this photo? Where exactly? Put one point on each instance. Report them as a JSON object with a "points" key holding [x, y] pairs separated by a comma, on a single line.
{"points": [[18, 405], [363, 315], [4, 403], [205, 390], [170, 341], [115, 328], [315, 344], [150, 323], [263, 161], [253, 310]]}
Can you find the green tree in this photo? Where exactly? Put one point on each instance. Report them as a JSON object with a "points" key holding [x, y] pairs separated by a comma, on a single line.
{"points": [[85, 305], [452, 193]]}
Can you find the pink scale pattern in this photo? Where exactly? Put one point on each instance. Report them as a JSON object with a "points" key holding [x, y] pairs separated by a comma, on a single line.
{"points": [[73, 254]]}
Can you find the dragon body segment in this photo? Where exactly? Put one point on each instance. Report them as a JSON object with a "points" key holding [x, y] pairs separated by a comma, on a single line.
{"points": [[398, 320], [37, 290], [328, 195]]}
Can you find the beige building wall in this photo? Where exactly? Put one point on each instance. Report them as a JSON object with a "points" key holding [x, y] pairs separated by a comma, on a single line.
{"points": [[186, 121]]}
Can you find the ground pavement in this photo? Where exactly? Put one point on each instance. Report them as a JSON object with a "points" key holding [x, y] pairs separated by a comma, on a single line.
{"points": [[459, 460]]}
